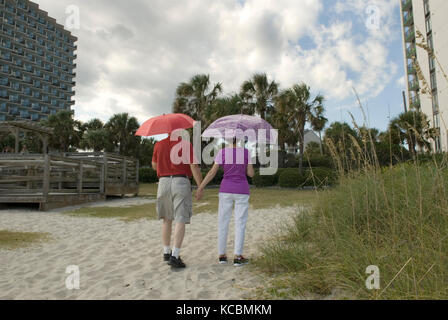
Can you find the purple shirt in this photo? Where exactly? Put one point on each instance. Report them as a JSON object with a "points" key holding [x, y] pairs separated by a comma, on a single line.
{"points": [[234, 161]]}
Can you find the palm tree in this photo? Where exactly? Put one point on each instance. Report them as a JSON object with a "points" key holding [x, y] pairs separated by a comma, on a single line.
{"points": [[279, 119], [196, 99], [226, 106], [67, 131], [318, 123], [303, 109], [414, 128], [258, 94], [95, 136], [121, 129]]}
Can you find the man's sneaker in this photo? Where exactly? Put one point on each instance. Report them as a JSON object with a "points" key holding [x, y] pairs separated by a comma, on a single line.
{"points": [[240, 261], [222, 260], [166, 257], [176, 263]]}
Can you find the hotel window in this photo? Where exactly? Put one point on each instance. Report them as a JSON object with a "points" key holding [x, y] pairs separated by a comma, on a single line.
{"points": [[438, 145], [430, 42], [435, 103], [436, 121], [428, 25], [426, 7], [433, 81], [16, 86], [25, 102]]}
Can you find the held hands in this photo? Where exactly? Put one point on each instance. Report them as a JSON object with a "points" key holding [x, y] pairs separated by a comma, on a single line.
{"points": [[199, 193]]}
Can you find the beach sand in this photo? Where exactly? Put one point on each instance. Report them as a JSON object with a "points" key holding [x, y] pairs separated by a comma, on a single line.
{"points": [[123, 260]]}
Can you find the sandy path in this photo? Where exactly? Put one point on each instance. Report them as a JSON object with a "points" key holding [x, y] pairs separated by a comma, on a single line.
{"points": [[119, 260]]}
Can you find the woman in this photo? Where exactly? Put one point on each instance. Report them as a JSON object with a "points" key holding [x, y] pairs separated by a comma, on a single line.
{"points": [[234, 191]]}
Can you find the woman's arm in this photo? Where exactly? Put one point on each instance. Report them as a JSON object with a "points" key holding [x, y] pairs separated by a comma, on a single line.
{"points": [[209, 177], [250, 170]]}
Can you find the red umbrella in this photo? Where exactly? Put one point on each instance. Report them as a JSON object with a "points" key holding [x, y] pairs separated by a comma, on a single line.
{"points": [[165, 124]]}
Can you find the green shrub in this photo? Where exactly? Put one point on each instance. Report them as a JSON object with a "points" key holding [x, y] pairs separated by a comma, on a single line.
{"points": [[290, 178], [317, 160], [148, 175], [291, 161], [264, 180], [320, 177]]}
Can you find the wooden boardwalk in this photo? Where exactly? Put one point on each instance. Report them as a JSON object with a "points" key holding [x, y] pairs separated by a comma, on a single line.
{"points": [[55, 181]]}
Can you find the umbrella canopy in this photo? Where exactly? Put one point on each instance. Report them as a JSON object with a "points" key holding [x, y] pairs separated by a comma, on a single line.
{"points": [[165, 124], [240, 126]]}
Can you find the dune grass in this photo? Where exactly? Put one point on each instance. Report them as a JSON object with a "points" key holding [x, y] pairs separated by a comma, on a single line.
{"points": [[10, 240], [394, 218], [260, 199]]}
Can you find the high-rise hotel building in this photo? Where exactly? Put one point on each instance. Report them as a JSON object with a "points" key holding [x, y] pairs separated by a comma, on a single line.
{"points": [[424, 22], [37, 63]]}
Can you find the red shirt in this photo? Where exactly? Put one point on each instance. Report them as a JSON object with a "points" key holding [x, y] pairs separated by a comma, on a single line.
{"points": [[181, 162]]}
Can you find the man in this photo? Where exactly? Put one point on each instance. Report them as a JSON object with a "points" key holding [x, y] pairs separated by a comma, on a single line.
{"points": [[174, 163]]}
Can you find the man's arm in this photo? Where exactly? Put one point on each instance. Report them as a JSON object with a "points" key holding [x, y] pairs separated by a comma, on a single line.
{"points": [[154, 165], [197, 174]]}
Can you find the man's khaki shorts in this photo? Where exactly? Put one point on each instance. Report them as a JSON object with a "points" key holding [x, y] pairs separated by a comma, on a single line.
{"points": [[174, 199]]}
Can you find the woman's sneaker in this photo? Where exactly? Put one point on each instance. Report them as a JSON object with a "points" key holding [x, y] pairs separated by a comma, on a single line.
{"points": [[222, 260], [166, 257], [240, 261]]}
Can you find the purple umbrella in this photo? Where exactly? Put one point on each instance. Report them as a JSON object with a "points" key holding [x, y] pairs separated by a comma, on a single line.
{"points": [[241, 126]]}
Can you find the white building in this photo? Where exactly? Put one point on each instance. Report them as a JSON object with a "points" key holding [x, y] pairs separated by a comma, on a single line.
{"points": [[310, 136], [428, 18]]}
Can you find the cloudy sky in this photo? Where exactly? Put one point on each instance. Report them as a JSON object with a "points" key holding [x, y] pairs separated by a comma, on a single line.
{"points": [[132, 54]]}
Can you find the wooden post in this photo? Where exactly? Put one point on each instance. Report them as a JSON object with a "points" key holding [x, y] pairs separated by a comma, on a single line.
{"points": [[137, 169], [105, 178], [46, 182], [102, 170], [125, 163], [17, 140], [80, 174]]}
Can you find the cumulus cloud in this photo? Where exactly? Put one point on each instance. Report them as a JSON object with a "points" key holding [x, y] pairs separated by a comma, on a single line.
{"points": [[133, 54]]}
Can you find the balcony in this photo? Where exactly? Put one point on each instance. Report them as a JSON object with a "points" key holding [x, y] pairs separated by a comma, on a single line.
{"points": [[409, 36], [4, 107], [408, 20], [36, 106], [13, 111], [415, 103], [411, 52], [413, 86]]}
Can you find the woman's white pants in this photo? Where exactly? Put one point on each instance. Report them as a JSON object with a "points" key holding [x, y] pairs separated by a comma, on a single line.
{"points": [[227, 201]]}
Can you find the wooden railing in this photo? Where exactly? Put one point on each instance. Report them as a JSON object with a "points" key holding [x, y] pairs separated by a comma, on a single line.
{"points": [[49, 174], [118, 169]]}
